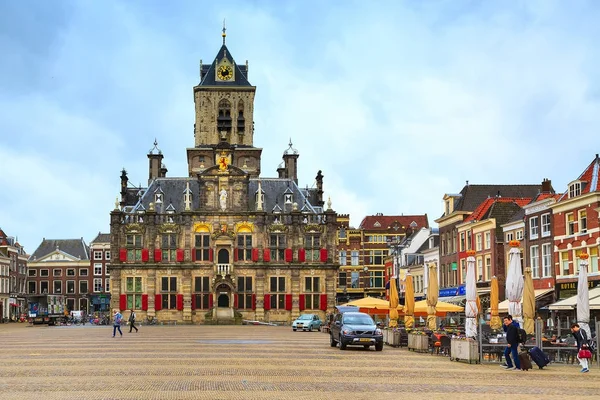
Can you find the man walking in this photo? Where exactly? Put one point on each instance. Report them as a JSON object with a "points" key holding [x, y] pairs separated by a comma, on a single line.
{"points": [[512, 338], [117, 323], [132, 322], [582, 343]]}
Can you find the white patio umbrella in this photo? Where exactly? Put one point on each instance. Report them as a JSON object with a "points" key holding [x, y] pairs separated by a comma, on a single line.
{"points": [[583, 296], [471, 297], [514, 282]]}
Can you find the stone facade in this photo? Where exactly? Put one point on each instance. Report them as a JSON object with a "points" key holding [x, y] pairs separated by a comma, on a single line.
{"points": [[223, 244]]}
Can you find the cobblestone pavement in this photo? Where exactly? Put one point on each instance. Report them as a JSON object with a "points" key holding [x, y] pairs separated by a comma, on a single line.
{"points": [[250, 362]]}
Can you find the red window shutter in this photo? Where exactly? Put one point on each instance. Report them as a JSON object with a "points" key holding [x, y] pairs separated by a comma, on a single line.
{"points": [[180, 302], [144, 302], [267, 305], [323, 255], [235, 301], [301, 255], [323, 302], [210, 255], [145, 255], [266, 255], [193, 301], [194, 254], [123, 302], [179, 255], [302, 302], [255, 255], [235, 254], [288, 302], [288, 255], [253, 301], [210, 300], [122, 255], [158, 302], [157, 255]]}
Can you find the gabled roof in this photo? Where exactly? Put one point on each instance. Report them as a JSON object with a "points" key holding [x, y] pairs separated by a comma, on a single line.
{"points": [[589, 179], [101, 238], [484, 209], [394, 222], [273, 191], [73, 247], [471, 196], [208, 72]]}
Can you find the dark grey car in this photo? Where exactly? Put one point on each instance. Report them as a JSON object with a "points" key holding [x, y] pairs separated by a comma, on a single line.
{"points": [[355, 329]]}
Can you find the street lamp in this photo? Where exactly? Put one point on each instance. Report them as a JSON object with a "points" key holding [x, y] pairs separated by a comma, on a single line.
{"points": [[366, 271]]}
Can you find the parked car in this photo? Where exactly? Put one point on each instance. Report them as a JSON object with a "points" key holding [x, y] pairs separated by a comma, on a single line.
{"points": [[307, 322], [355, 329]]}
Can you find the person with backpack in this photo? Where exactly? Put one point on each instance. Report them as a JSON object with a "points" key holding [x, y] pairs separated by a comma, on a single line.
{"points": [[132, 322], [512, 339], [117, 318], [582, 344]]}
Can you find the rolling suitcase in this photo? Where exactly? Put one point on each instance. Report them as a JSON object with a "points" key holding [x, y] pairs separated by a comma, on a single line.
{"points": [[525, 361], [539, 357]]}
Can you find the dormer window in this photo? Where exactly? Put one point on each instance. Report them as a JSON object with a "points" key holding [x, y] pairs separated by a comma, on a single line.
{"points": [[288, 198], [158, 198], [574, 189]]}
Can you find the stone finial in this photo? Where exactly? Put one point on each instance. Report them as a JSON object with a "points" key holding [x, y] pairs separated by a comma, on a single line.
{"points": [[117, 203], [329, 204], [151, 206], [294, 206]]}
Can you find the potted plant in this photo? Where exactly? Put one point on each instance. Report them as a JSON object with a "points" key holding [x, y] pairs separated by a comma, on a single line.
{"points": [[418, 340], [463, 348]]}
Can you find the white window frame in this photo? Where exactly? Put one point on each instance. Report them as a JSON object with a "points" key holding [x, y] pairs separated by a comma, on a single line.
{"points": [[354, 257], [107, 255], [534, 228], [478, 242], [546, 227], [574, 189], [488, 240], [107, 285], [570, 225], [97, 285], [519, 234], [580, 219], [479, 269], [98, 269], [546, 260], [534, 257], [97, 254], [343, 257], [488, 268], [509, 236]]}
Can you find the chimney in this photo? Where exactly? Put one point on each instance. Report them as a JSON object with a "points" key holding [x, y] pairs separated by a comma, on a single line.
{"points": [[319, 179], [163, 171], [281, 171], [547, 186], [155, 158]]}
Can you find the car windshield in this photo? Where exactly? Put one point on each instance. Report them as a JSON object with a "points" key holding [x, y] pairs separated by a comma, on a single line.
{"points": [[302, 317], [358, 320]]}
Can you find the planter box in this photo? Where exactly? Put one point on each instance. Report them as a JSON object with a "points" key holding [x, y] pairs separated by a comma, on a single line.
{"points": [[464, 350], [418, 342], [392, 338]]}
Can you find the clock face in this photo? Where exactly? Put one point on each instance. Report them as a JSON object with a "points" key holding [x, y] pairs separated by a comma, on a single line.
{"points": [[225, 72]]}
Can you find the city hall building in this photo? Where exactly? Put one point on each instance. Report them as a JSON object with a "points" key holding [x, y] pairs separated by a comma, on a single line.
{"points": [[223, 244]]}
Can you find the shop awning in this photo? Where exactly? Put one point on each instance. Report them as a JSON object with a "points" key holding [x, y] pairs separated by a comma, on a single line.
{"points": [[571, 302], [595, 303], [503, 306], [452, 299]]}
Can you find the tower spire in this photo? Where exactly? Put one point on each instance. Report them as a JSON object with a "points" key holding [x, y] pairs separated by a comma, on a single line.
{"points": [[224, 34]]}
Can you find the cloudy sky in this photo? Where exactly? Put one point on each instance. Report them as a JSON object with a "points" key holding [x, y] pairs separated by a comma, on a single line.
{"points": [[396, 102]]}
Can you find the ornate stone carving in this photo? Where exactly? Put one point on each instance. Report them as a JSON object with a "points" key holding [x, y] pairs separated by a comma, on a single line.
{"points": [[313, 228], [134, 228], [169, 227]]}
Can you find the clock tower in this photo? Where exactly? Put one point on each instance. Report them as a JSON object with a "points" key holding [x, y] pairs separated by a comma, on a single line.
{"points": [[224, 105]]}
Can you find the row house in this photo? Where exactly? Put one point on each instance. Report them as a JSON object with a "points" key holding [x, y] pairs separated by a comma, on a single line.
{"points": [[100, 273], [352, 279], [482, 232], [223, 243], [14, 277], [383, 235], [416, 259], [61, 266], [575, 215], [457, 208]]}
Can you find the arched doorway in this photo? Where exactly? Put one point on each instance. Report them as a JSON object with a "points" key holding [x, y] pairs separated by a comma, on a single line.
{"points": [[223, 295]]}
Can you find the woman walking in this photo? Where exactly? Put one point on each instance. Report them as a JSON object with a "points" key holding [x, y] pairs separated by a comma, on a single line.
{"points": [[582, 344]]}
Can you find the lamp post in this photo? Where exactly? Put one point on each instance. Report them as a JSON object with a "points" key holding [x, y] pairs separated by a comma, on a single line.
{"points": [[366, 271]]}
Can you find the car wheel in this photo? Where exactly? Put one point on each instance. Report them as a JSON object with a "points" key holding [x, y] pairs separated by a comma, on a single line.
{"points": [[342, 344], [332, 342], [378, 346], [294, 329], [310, 328]]}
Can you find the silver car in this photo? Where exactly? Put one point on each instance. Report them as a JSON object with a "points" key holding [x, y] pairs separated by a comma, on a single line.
{"points": [[307, 322]]}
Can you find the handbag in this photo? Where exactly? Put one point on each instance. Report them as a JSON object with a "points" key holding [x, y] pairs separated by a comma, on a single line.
{"points": [[584, 353]]}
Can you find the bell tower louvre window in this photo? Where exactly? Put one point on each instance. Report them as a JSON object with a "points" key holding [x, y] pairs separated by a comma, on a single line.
{"points": [[224, 117], [241, 121]]}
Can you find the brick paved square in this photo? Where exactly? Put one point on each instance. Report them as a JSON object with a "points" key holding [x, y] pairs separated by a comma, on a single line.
{"points": [[250, 362]]}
